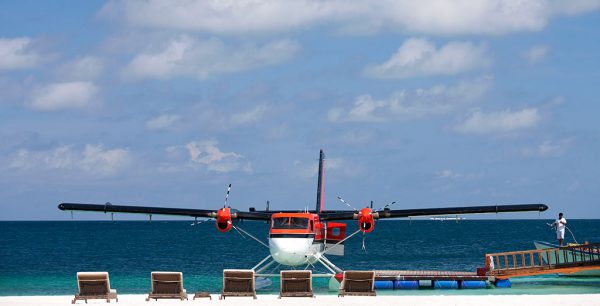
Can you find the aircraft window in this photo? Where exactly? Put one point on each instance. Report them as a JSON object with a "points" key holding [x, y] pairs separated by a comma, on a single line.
{"points": [[299, 223], [335, 231], [281, 223], [290, 223]]}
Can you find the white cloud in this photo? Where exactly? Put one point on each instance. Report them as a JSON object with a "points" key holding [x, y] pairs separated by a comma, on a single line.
{"points": [[93, 159], [67, 95], [224, 119], [447, 174], [220, 16], [251, 116], [536, 53], [420, 57], [499, 122], [573, 7], [161, 122], [85, 68], [186, 56], [105, 162], [549, 148], [456, 17], [16, 53], [206, 153], [412, 104], [279, 131]]}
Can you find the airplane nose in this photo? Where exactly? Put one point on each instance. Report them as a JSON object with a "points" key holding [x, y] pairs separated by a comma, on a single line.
{"points": [[290, 251]]}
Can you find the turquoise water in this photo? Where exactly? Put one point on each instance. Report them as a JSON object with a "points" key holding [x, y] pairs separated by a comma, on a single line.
{"points": [[42, 258]]}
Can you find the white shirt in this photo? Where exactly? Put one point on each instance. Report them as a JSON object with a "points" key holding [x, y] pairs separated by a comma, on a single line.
{"points": [[560, 224]]}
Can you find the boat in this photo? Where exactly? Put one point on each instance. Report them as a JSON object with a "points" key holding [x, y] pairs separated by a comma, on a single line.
{"points": [[552, 258], [446, 218]]}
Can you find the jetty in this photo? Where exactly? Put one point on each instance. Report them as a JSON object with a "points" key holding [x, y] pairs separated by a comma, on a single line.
{"points": [[570, 259], [427, 275], [574, 260]]}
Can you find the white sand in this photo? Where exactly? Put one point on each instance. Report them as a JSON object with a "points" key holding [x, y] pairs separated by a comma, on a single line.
{"points": [[479, 300]]}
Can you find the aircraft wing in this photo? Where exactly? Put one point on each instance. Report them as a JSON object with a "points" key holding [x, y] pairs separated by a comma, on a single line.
{"points": [[146, 210], [465, 210]]}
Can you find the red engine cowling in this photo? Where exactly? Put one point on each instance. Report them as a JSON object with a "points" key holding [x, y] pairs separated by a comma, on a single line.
{"points": [[223, 220], [366, 223]]}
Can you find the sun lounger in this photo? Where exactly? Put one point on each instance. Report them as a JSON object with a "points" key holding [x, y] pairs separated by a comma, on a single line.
{"points": [[358, 283], [296, 283], [167, 285], [202, 294], [238, 283], [94, 285]]}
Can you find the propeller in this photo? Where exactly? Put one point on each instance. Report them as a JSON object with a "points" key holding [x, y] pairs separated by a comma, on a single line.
{"points": [[224, 206]]}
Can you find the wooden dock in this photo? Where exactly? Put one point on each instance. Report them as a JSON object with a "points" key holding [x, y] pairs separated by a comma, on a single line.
{"points": [[429, 275], [563, 260]]}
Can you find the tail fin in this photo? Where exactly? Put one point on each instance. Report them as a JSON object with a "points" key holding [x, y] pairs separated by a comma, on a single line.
{"points": [[320, 190]]}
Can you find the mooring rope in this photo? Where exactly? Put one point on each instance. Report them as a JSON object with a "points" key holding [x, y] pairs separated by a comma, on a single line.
{"points": [[568, 229], [571, 234], [250, 235]]}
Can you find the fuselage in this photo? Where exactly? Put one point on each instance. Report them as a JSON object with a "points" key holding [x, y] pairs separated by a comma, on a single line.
{"points": [[299, 238], [295, 238]]}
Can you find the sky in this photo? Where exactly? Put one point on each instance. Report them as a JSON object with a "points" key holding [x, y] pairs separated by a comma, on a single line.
{"points": [[426, 103]]}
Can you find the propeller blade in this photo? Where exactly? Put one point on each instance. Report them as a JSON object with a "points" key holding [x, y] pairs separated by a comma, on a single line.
{"points": [[342, 200], [227, 196], [196, 222], [386, 206]]}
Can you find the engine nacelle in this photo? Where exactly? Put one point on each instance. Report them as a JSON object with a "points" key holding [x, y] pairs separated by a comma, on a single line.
{"points": [[223, 221], [366, 222]]}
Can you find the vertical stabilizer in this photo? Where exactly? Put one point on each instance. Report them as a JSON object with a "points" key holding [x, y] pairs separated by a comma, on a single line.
{"points": [[320, 190]]}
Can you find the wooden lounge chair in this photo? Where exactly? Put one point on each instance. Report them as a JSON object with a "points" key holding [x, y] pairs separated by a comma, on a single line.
{"points": [[238, 283], [296, 283], [167, 285], [358, 283], [94, 285]]}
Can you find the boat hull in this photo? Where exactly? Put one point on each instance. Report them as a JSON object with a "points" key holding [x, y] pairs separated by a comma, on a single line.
{"points": [[540, 245]]}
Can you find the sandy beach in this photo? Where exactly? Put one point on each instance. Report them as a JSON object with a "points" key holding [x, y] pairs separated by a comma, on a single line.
{"points": [[487, 300]]}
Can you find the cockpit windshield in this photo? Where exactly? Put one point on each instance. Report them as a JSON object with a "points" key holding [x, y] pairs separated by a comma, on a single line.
{"points": [[290, 223]]}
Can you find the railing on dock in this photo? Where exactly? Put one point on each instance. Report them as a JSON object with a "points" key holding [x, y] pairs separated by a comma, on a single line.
{"points": [[567, 259]]}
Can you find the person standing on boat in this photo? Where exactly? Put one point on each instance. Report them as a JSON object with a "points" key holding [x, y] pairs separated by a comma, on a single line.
{"points": [[560, 224]]}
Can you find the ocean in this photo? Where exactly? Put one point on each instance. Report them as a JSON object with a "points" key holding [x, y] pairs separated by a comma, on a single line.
{"points": [[42, 258]]}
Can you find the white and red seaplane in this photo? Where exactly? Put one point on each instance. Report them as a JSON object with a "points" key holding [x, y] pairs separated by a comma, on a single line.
{"points": [[302, 238]]}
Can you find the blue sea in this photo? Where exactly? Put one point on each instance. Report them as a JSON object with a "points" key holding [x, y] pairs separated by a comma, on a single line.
{"points": [[42, 258]]}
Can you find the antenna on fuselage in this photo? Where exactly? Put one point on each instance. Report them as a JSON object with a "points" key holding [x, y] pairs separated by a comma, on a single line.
{"points": [[268, 203]]}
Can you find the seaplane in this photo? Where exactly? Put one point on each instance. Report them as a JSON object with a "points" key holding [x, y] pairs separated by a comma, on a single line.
{"points": [[302, 237]]}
